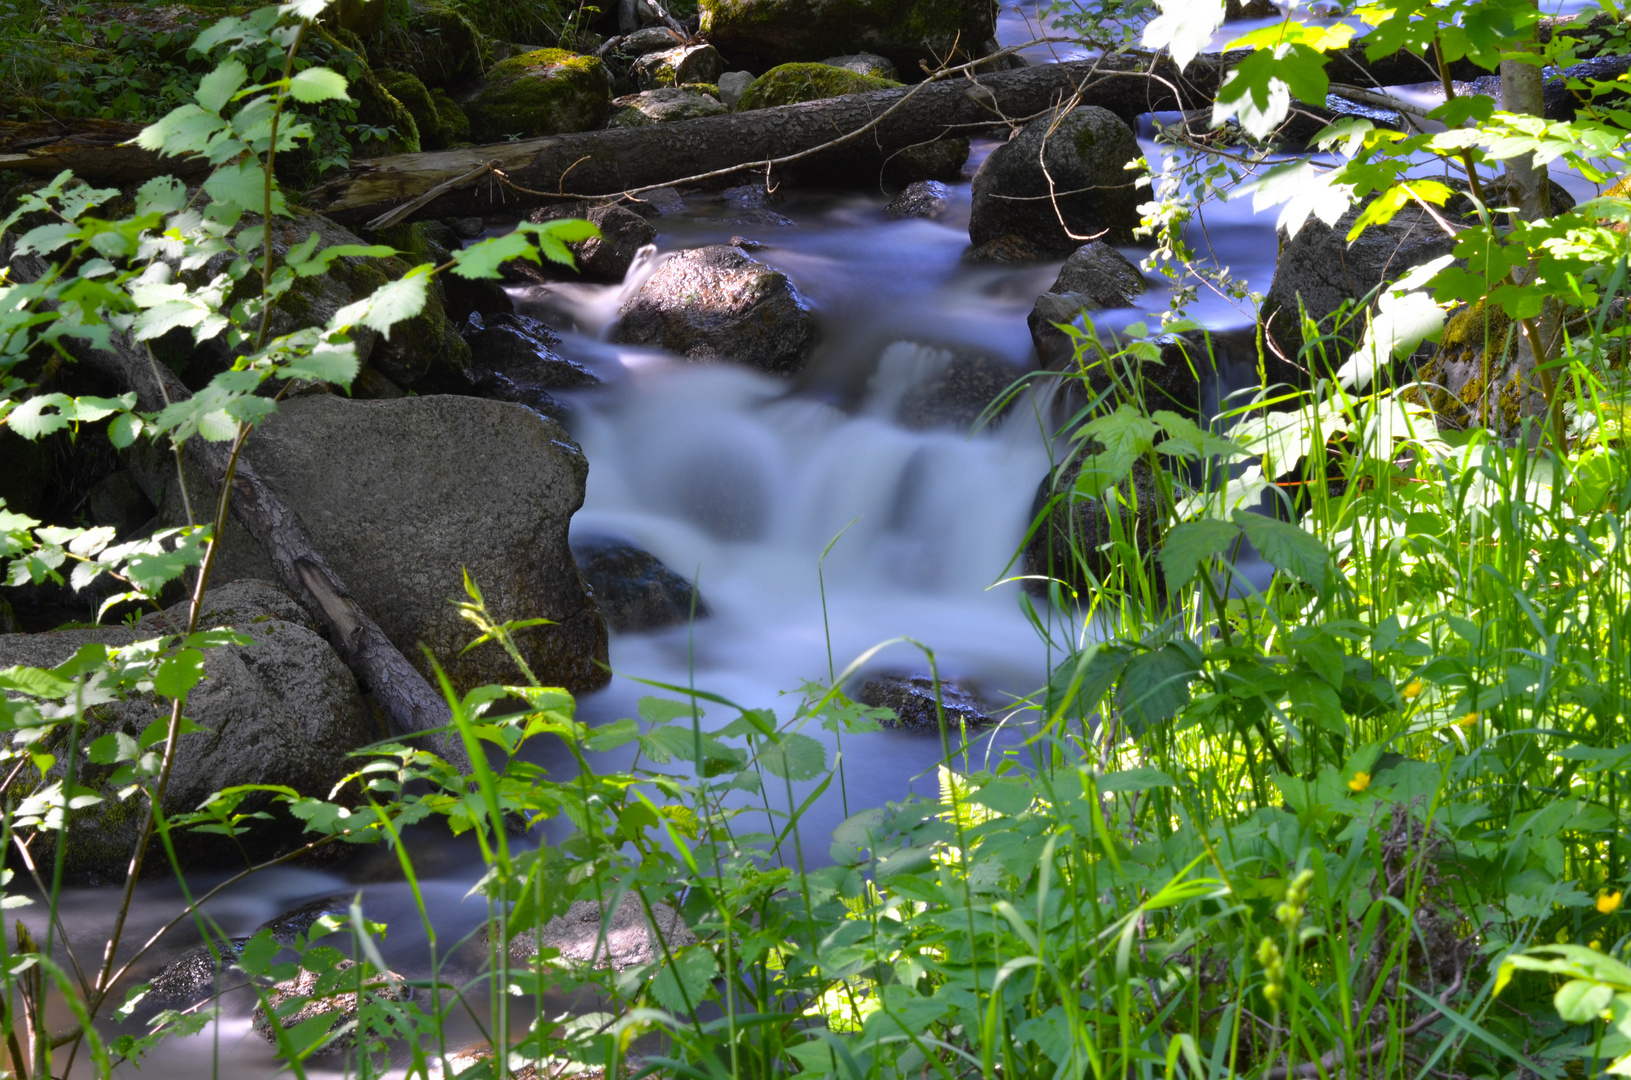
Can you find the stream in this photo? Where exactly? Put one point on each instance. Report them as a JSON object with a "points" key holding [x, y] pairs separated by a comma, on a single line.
{"points": [[740, 481]]}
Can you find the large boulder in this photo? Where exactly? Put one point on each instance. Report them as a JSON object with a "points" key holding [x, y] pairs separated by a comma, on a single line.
{"points": [[924, 199], [513, 359], [543, 92], [1086, 188], [715, 303], [1324, 270], [436, 43], [906, 32], [440, 121], [424, 354], [402, 499], [790, 83], [282, 709]]}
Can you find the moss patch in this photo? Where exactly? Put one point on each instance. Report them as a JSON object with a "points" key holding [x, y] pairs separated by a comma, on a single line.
{"points": [[545, 92], [790, 83], [434, 42], [440, 120]]}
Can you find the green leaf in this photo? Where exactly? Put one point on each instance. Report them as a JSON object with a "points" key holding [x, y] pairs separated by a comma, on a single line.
{"points": [[1189, 545], [391, 303], [327, 364], [179, 673], [1183, 28], [1580, 1001], [483, 259], [242, 186], [1154, 686], [217, 88], [680, 986], [35, 682], [795, 757], [319, 83], [1139, 779], [1007, 797], [1287, 548]]}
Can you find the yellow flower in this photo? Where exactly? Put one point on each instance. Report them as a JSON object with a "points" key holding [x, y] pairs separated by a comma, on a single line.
{"points": [[1413, 690], [1609, 902], [1469, 720], [1595, 946], [1360, 782]]}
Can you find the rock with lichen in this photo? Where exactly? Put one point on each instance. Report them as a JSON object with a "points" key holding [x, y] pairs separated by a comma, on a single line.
{"points": [[678, 66], [543, 92], [791, 83], [664, 106]]}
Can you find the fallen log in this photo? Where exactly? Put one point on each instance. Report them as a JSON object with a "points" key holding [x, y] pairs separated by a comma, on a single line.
{"points": [[845, 139], [94, 150], [410, 704]]}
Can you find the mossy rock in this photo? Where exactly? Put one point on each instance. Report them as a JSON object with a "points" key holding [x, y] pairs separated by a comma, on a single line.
{"points": [[436, 43], [789, 83], [906, 32], [544, 92], [440, 121], [1473, 377], [663, 106], [377, 107]]}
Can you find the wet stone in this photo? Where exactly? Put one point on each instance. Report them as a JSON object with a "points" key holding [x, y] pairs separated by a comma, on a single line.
{"points": [[959, 394], [1101, 273], [924, 199], [628, 941], [634, 589], [312, 994], [911, 696], [942, 159]]}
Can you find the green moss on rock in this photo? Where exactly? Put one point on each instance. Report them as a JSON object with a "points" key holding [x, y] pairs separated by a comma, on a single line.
{"points": [[903, 31], [440, 120], [438, 44], [377, 107], [789, 83], [544, 92]]}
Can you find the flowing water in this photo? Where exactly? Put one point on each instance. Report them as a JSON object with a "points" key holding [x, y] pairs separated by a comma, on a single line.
{"points": [[741, 481]]}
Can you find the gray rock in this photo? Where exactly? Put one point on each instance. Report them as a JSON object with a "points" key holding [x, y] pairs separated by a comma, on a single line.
{"points": [[678, 66], [958, 394], [628, 942], [942, 159], [634, 589], [911, 696], [651, 39], [880, 67], [663, 106], [1068, 545], [1054, 347], [312, 994], [715, 303], [658, 202], [732, 85], [281, 710], [1086, 157], [924, 199], [401, 498], [608, 257], [1101, 273], [511, 357]]}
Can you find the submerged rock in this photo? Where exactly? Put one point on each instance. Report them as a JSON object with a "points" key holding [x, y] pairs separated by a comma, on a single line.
{"points": [[629, 940], [1086, 155], [281, 710], [543, 92], [958, 394], [663, 106], [912, 697], [401, 498], [633, 588], [791, 83], [1008, 248], [195, 975], [924, 199], [904, 31], [715, 303]]}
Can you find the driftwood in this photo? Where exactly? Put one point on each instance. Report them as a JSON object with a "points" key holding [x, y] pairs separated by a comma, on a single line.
{"points": [[410, 704], [845, 139]]}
